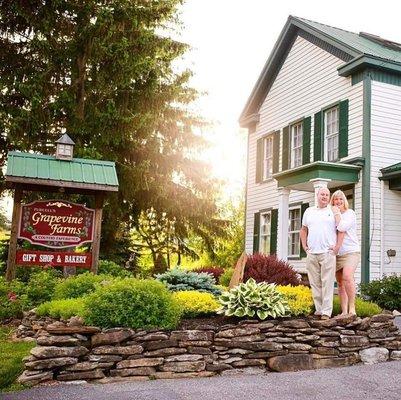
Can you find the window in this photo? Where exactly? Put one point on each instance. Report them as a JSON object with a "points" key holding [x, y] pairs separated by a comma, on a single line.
{"points": [[64, 150], [296, 145], [294, 225], [267, 157], [331, 133], [265, 232]]}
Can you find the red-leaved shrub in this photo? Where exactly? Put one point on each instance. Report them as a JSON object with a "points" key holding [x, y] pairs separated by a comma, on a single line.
{"points": [[268, 268], [215, 271]]}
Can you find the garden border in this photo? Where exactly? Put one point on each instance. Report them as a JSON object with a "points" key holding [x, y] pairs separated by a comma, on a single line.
{"points": [[72, 351]]}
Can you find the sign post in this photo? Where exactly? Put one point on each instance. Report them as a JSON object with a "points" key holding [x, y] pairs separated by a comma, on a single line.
{"points": [[11, 267], [57, 224]]}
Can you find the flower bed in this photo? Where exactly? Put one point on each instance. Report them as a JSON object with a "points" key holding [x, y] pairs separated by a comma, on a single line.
{"points": [[68, 352]]}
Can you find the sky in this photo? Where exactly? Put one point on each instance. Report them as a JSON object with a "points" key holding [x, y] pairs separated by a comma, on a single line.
{"points": [[231, 41]]}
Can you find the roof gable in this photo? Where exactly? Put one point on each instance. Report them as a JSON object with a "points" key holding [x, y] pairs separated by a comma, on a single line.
{"points": [[356, 50]]}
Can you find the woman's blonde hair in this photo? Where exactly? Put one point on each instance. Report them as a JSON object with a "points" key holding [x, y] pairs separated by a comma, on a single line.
{"points": [[339, 193]]}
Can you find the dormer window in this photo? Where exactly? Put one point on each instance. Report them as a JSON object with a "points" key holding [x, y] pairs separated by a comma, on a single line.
{"points": [[64, 148]]}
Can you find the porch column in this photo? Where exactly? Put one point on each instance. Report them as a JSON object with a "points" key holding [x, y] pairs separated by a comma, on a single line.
{"points": [[319, 183], [282, 223]]}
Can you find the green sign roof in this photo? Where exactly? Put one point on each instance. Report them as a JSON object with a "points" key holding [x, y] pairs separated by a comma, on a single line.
{"points": [[47, 170]]}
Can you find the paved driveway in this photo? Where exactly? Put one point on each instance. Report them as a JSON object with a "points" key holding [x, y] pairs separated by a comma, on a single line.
{"points": [[359, 382]]}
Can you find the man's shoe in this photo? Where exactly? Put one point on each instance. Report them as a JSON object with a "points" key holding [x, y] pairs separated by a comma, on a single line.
{"points": [[325, 317]]}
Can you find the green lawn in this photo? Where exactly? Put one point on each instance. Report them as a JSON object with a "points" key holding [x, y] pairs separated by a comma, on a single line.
{"points": [[11, 355]]}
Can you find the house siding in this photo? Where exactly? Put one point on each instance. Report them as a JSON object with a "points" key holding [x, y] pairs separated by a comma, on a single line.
{"points": [[386, 205], [307, 82]]}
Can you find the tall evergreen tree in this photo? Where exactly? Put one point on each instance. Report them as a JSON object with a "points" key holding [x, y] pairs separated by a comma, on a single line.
{"points": [[105, 71]]}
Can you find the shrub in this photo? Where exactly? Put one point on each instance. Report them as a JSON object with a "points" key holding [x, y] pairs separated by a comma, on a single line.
{"points": [[179, 280], [78, 285], [132, 303], [65, 308], [250, 298], [384, 292], [268, 268], [111, 268], [12, 299], [299, 299], [225, 278], [41, 286], [215, 271], [193, 303], [363, 308]]}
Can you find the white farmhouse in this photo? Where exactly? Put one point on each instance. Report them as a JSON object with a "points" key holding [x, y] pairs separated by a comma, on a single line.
{"points": [[326, 111]]}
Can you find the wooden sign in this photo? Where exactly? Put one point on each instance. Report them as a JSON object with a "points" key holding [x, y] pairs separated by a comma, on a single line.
{"points": [[56, 223], [53, 259]]}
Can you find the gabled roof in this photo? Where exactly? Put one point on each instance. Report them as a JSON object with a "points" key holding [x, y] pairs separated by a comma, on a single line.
{"points": [[356, 50], [362, 43], [65, 139], [35, 169]]}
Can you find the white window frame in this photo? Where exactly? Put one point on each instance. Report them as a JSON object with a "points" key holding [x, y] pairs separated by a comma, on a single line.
{"points": [[267, 168], [265, 236], [294, 233], [64, 149], [332, 134], [296, 141]]}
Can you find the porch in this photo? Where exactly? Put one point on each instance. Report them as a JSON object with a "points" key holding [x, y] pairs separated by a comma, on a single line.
{"points": [[308, 178]]}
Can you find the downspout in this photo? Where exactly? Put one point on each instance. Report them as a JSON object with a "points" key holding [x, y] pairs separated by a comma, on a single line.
{"points": [[366, 147], [382, 214]]}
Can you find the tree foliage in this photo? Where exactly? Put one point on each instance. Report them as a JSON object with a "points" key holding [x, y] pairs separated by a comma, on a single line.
{"points": [[106, 72]]}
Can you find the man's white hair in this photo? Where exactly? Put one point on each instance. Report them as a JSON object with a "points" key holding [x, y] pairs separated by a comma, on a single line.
{"points": [[325, 188]]}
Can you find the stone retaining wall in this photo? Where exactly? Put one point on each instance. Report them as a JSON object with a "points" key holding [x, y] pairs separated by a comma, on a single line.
{"points": [[70, 352]]}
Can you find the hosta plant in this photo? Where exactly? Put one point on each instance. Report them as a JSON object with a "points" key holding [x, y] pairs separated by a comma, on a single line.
{"points": [[251, 298]]}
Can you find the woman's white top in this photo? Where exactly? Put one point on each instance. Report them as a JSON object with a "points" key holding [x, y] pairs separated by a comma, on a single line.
{"points": [[348, 225]]}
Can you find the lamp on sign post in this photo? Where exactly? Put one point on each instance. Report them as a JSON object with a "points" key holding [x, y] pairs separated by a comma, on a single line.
{"points": [[64, 148]]}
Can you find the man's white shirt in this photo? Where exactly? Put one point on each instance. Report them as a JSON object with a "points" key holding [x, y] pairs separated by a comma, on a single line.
{"points": [[322, 233]]}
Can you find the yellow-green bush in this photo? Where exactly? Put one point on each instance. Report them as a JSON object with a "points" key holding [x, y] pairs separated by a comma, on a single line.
{"points": [[193, 303], [363, 308], [299, 299], [64, 308]]}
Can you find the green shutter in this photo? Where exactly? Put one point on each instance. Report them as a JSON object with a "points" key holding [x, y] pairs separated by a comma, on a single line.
{"points": [[273, 231], [303, 208], [317, 137], [276, 151], [286, 147], [343, 131], [256, 229], [306, 125], [259, 160]]}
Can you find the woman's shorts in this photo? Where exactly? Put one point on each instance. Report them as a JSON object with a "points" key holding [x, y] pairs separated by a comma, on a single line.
{"points": [[348, 260]]}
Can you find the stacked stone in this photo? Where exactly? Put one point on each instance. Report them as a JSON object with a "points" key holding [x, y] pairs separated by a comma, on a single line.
{"points": [[31, 324], [77, 352]]}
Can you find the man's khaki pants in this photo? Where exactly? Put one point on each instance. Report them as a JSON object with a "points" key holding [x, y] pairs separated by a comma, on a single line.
{"points": [[321, 270]]}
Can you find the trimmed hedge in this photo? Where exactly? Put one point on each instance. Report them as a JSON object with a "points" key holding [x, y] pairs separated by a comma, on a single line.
{"points": [[64, 308], [78, 285], [132, 303], [363, 308]]}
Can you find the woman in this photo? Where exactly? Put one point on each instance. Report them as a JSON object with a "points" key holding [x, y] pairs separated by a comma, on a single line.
{"points": [[347, 250]]}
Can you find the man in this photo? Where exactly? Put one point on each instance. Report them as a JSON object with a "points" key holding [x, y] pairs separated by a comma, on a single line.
{"points": [[318, 236]]}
